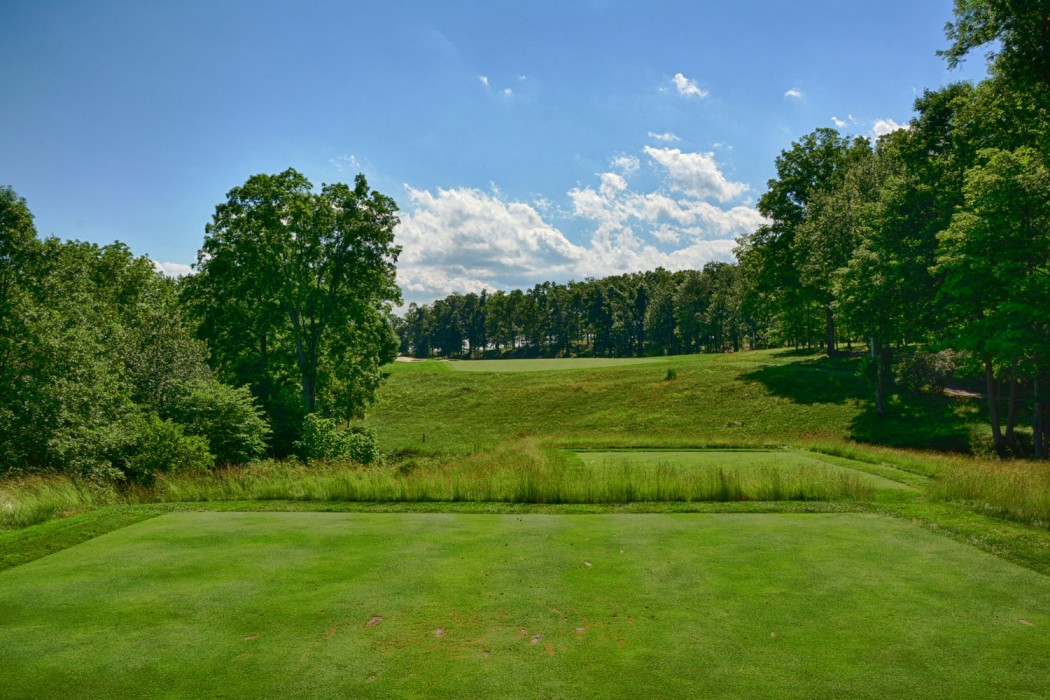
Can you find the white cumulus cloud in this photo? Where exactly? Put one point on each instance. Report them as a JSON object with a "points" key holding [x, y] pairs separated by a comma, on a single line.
{"points": [[463, 240], [466, 240], [687, 87], [625, 164], [172, 269], [838, 122], [696, 174], [881, 127], [794, 93]]}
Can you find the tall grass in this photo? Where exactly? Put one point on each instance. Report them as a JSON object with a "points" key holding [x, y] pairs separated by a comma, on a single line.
{"points": [[1016, 490], [517, 472], [30, 500]]}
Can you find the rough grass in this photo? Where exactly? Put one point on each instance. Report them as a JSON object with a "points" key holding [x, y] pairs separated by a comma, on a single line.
{"points": [[1018, 490], [545, 364], [715, 399], [33, 499], [522, 472], [329, 605]]}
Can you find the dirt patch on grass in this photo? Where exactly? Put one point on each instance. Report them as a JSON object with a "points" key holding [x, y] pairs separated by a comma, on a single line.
{"points": [[374, 621]]}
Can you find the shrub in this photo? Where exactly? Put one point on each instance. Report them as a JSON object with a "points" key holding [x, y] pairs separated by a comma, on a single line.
{"points": [[321, 438], [927, 371], [151, 445], [227, 417]]}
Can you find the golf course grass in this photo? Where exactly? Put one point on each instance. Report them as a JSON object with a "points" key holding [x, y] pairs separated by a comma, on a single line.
{"points": [[547, 364], [749, 464], [372, 605], [739, 527]]}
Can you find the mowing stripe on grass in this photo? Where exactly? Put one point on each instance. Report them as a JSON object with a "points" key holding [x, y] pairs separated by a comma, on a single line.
{"points": [[409, 605]]}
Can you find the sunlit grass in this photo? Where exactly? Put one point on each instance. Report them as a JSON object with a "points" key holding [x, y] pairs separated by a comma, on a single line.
{"points": [[517, 472], [29, 500], [1014, 489]]}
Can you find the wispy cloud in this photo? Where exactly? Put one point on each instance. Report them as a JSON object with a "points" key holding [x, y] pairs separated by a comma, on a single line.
{"points": [[484, 80], [666, 136], [838, 122], [347, 162], [625, 163], [687, 87], [794, 94]]}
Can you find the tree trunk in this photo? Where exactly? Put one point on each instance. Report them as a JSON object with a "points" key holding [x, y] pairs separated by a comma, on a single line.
{"points": [[993, 407], [1011, 410], [882, 356], [1037, 422], [830, 316]]}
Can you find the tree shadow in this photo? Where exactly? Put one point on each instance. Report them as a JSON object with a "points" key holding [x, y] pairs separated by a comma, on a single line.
{"points": [[928, 422], [820, 379], [925, 421]]}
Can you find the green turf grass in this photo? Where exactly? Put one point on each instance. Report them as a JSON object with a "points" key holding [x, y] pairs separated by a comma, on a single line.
{"points": [[335, 605], [749, 464], [761, 398], [715, 399], [546, 364]]}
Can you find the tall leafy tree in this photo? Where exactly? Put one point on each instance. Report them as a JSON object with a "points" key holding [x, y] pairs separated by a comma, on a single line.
{"points": [[776, 256], [995, 262], [1019, 31], [289, 279]]}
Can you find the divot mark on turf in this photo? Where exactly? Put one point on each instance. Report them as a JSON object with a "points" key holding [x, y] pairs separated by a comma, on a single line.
{"points": [[549, 649], [374, 621], [588, 564], [1025, 622], [439, 632], [251, 636], [536, 639]]}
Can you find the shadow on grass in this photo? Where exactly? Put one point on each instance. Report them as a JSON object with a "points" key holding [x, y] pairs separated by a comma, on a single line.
{"points": [[819, 379], [926, 423], [919, 422]]}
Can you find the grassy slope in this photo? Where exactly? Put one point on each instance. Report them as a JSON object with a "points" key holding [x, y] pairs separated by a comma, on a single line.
{"points": [[272, 605], [760, 398]]}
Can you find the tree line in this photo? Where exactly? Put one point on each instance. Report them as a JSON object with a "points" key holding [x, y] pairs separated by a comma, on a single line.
{"points": [[650, 313]]}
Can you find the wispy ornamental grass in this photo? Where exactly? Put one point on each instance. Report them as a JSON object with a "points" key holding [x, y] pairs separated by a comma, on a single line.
{"points": [[30, 500], [1016, 490], [519, 472]]}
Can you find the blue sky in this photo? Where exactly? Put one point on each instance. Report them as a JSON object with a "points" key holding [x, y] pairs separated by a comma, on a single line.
{"points": [[523, 141]]}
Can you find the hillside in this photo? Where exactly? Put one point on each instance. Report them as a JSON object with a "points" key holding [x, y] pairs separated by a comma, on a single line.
{"points": [[747, 398]]}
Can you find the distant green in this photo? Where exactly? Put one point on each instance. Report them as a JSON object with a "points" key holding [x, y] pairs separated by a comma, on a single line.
{"points": [[544, 364], [749, 463]]}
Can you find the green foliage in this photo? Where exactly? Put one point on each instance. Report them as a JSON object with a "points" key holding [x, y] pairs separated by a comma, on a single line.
{"points": [[321, 439], [228, 417], [1016, 28], [927, 371], [149, 445], [292, 289]]}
